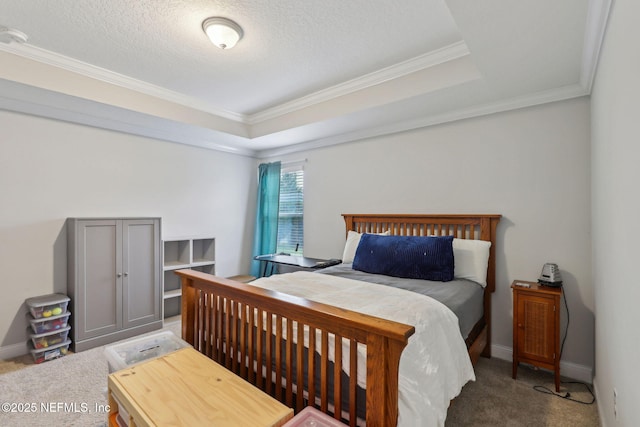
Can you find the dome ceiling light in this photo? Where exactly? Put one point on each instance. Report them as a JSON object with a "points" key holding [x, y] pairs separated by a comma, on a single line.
{"points": [[9, 35], [222, 32]]}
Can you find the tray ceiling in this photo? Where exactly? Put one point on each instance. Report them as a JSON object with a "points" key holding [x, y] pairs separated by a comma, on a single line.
{"points": [[306, 74]]}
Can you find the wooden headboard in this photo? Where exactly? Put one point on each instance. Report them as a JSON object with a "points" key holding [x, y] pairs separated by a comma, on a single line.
{"points": [[462, 226], [477, 227]]}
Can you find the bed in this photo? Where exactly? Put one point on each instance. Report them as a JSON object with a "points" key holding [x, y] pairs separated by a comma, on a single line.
{"points": [[284, 336]]}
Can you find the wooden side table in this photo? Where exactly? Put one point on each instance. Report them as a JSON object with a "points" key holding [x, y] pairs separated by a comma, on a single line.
{"points": [[536, 326], [186, 388]]}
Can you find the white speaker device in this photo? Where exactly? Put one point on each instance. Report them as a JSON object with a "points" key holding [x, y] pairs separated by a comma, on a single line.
{"points": [[550, 275]]}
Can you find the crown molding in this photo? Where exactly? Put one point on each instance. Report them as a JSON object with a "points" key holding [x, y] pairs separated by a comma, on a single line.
{"points": [[597, 18], [37, 102], [64, 62], [430, 59], [529, 100], [34, 101]]}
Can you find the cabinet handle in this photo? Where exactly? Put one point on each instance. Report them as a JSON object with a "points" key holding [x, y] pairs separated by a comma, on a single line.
{"points": [[119, 275], [126, 274]]}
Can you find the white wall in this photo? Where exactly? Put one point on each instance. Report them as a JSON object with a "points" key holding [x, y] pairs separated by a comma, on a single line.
{"points": [[530, 165], [52, 170], [616, 216]]}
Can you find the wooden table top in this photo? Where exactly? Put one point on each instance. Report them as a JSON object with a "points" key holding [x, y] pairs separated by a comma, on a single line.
{"points": [[186, 388]]}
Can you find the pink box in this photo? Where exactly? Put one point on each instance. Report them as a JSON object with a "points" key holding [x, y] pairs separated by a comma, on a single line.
{"points": [[310, 416]]}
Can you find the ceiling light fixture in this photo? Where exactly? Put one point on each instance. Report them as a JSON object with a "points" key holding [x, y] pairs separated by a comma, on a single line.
{"points": [[222, 32], [9, 35]]}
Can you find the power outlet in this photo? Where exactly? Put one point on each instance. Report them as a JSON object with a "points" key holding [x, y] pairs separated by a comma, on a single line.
{"points": [[615, 404]]}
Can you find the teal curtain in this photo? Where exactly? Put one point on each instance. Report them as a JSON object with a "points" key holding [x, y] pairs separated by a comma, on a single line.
{"points": [[265, 239]]}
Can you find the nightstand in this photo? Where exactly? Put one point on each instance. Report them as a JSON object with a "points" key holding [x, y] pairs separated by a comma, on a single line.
{"points": [[536, 326]]}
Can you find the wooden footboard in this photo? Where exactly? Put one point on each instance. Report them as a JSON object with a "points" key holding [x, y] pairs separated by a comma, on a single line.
{"points": [[246, 329]]}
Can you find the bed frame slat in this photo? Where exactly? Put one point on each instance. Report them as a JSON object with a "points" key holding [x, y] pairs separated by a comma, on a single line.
{"points": [[311, 382], [259, 348], [289, 343], [337, 380], [252, 344], [353, 383], [300, 368], [324, 367], [269, 362]]}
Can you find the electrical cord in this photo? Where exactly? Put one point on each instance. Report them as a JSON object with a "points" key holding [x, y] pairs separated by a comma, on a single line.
{"points": [[566, 331], [566, 395]]}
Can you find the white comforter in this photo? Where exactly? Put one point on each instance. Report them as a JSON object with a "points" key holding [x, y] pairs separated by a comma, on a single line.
{"points": [[435, 364]]}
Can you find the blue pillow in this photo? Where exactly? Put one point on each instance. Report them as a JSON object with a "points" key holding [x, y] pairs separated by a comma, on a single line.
{"points": [[413, 257]]}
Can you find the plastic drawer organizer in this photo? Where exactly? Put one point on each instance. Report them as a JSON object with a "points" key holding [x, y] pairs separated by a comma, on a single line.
{"points": [[52, 352], [47, 305], [50, 324], [49, 321], [49, 339]]}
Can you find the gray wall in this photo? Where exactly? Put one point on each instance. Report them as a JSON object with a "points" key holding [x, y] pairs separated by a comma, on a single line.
{"points": [[616, 214], [530, 165], [51, 170]]}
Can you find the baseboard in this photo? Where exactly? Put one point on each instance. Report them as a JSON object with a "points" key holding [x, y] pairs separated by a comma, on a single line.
{"points": [[596, 391], [13, 350], [567, 369]]}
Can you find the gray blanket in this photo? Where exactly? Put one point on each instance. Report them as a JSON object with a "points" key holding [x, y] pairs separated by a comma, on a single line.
{"points": [[463, 297]]}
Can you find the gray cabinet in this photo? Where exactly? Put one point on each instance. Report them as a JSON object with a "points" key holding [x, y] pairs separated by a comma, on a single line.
{"points": [[114, 278]]}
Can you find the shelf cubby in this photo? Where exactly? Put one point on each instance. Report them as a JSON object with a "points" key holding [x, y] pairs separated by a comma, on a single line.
{"points": [[177, 253], [204, 251], [195, 253]]}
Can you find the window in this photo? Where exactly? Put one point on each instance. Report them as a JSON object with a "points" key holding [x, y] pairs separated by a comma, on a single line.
{"points": [[290, 213]]}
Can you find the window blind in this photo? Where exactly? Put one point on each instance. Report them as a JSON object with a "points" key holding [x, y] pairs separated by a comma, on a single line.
{"points": [[290, 214]]}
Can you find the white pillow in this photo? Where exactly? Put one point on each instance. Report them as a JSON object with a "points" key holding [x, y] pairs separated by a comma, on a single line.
{"points": [[471, 260], [353, 240]]}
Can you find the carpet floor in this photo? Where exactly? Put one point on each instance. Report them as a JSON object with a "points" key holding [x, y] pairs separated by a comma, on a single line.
{"points": [[495, 399], [71, 391]]}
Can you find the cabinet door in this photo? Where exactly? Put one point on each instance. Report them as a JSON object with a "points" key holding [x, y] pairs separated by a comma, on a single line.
{"points": [[536, 320], [99, 285], [142, 291]]}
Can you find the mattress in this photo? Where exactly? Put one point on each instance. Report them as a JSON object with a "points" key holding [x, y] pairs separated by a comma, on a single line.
{"points": [[463, 297]]}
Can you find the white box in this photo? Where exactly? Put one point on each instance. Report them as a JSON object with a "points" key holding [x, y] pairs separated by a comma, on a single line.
{"points": [[137, 350]]}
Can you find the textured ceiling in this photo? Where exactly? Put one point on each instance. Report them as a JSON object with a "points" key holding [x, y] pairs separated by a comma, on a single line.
{"points": [[306, 73]]}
